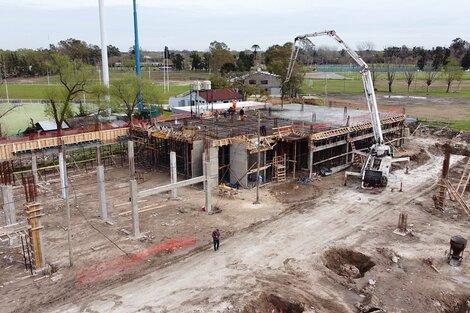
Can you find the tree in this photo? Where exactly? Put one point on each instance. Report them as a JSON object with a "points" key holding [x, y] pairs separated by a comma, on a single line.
{"points": [[277, 61], [440, 55], [374, 74], [452, 71], [74, 77], [458, 47], [178, 61], [409, 77], [245, 61], [125, 94], [466, 60], [227, 68], [391, 71], [217, 82], [113, 51], [196, 61], [429, 78], [219, 55], [255, 49]]}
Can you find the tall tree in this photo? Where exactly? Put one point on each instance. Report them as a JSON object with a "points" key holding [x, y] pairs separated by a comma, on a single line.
{"points": [[429, 78], [277, 61], [466, 60], [178, 61], [219, 55], [245, 61], [255, 49], [74, 76], [409, 77], [391, 71], [125, 94], [452, 72], [196, 61]]}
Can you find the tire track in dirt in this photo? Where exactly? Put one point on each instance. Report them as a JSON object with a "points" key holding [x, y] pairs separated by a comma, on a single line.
{"points": [[207, 280]]}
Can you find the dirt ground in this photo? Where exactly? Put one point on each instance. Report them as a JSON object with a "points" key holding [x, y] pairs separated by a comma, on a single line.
{"points": [[319, 247]]}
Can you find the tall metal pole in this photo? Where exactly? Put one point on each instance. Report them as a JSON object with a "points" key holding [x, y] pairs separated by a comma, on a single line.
{"points": [[137, 56], [104, 53], [259, 159], [67, 205]]}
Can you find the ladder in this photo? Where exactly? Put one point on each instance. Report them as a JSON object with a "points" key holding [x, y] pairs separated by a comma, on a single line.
{"points": [[358, 159], [466, 177], [457, 197], [279, 168]]}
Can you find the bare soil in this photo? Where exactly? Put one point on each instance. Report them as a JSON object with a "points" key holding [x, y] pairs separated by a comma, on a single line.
{"points": [[319, 247]]}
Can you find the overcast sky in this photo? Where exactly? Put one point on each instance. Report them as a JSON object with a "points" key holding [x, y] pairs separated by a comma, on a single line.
{"points": [[192, 25]]}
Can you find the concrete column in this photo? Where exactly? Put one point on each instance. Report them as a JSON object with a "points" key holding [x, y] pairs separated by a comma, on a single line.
{"points": [[310, 159], [34, 168], [208, 187], [102, 192], [135, 208], [173, 174], [130, 153], [9, 204], [62, 170]]}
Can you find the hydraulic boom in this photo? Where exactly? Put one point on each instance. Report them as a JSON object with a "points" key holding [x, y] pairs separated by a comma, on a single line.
{"points": [[375, 170]]}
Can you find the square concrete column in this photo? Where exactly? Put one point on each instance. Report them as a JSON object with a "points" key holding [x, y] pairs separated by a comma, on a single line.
{"points": [[9, 204], [102, 192], [135, 208], [62, 171], [34, 168], [207, 186], [173, 174]]}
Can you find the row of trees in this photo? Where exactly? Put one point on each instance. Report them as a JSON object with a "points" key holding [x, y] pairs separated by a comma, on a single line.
{"points": [[75, 76]]}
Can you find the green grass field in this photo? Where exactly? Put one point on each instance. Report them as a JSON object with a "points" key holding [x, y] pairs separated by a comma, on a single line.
{"points": [[20, 118]]}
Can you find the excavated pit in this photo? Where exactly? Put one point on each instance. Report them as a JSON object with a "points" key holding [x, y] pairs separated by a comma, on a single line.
{"points": [[273, 304], [348, 263], [454, 303]]}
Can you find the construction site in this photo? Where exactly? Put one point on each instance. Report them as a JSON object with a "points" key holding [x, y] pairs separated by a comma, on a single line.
{"points": [[120, 220]]}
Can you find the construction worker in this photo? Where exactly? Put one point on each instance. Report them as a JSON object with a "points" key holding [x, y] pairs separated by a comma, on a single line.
{"points": [[216, 239], [242, 113]]}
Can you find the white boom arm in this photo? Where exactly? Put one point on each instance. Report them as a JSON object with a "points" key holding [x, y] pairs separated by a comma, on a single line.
{"points": [[379, 147]]}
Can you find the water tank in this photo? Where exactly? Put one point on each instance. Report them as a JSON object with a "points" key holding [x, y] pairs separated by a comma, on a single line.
{"points": [[206, 85], [196, 85]]}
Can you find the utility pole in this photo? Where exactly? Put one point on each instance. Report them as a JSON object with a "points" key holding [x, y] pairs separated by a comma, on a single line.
{"points": [[137, 56], [67, 205], [259, 159], [104, 54]]}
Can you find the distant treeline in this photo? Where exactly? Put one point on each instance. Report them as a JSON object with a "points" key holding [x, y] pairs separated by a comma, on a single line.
{"points": [[220, 59]]}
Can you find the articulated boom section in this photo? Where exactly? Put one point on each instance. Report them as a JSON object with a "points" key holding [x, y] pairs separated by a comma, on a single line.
{"points": [[377, 165]]}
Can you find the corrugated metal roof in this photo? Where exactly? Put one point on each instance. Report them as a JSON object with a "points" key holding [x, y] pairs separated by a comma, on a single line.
{"points": [[50, 125], [219, 95]]}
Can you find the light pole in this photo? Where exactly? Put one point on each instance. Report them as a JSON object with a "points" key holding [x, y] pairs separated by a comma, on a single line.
{"points": [[259, 160], [104, 54], [137, 56]]}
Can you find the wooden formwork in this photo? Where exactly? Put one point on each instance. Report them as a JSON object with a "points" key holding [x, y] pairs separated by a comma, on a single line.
{"points": [[8, 150]]}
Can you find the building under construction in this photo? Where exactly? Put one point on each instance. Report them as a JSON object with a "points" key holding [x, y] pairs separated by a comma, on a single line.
{"points": [[296, 140]]}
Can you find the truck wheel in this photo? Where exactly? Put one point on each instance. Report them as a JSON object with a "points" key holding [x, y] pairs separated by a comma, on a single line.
{"points": [[383, 181]]}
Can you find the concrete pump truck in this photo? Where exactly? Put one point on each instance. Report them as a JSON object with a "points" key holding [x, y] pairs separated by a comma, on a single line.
{"points": [[375, 169]]}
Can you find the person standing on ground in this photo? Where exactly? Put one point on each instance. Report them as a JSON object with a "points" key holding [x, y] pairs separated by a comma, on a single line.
{"points": [[216, 239], [242, 113]]}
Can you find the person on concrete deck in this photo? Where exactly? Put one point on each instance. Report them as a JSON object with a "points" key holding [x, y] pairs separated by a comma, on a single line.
{"points": [[262, 130], [216, 239], [242, 113]]}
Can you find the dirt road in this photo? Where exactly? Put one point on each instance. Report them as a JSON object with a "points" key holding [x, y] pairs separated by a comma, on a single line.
{"points": [[282, 259]]}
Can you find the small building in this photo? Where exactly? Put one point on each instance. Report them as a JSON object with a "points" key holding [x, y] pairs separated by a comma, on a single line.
{"points": [[202, 99], [269, 82]]}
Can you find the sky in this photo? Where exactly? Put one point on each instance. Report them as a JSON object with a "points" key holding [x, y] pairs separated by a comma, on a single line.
{"points": [[193, 25]]}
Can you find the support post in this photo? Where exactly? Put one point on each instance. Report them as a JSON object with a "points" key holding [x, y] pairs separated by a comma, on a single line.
{"points": [[9, 204], [102, 192], [259, 160], [62, 169], [34, 168], [65, 193], [208, 186], [130, 154], [310, 159], [173, 174], [135, 208], [439, 199], [35, 233]]}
